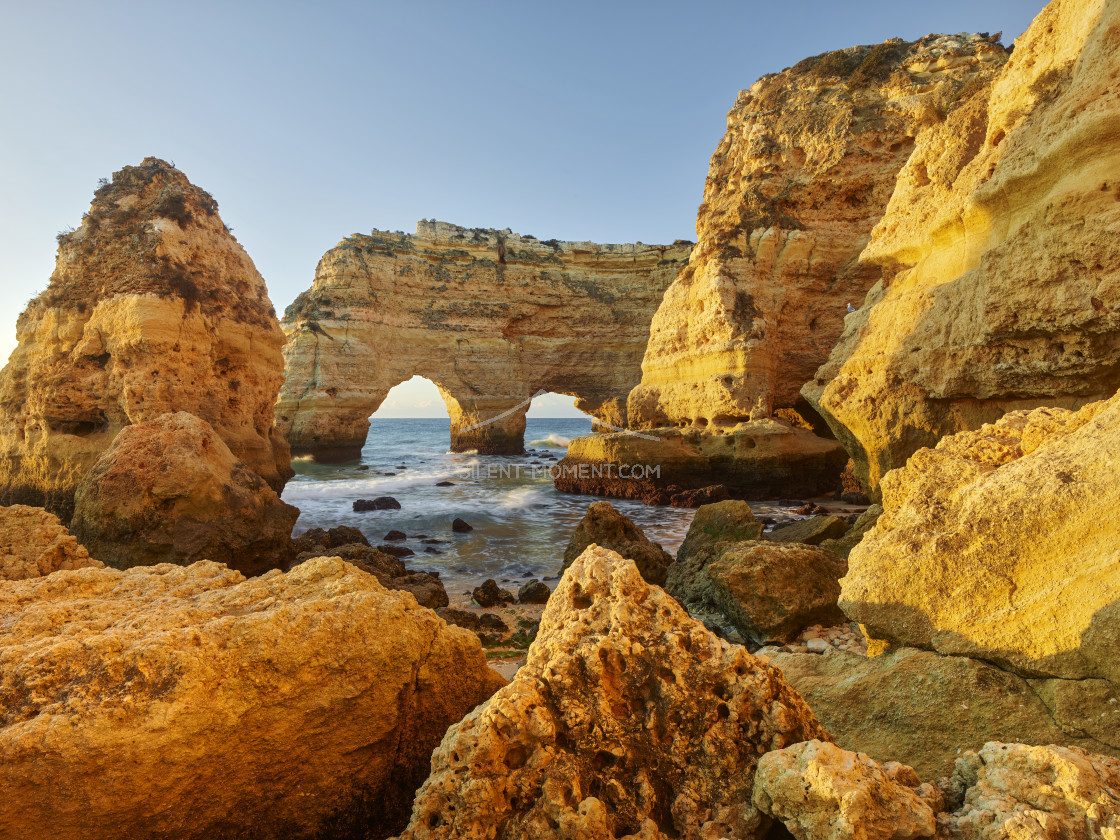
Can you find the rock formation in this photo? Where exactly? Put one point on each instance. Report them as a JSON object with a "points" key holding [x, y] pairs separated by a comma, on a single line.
{"points": [[491, 317], [170, 491], [821, 792], [604, 526], [153, 307], [795, 187], [191, 703], [33, 543], [998, 252], [713, 528], [627, 720], [1002, 544]]}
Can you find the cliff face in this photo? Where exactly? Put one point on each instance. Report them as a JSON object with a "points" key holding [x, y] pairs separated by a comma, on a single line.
{"points": [[153, 307], [999, 253], [490, 316], [802, 175]]}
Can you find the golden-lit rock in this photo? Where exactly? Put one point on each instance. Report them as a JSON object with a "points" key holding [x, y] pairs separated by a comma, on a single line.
{"points": [[153, 307], [999, 253], [628, 719], [33, 543], [491, 317], [170, 491], [1002, 544], [191, 703]]}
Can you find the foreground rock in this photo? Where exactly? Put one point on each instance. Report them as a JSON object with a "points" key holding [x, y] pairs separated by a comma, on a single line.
{"points": [[191, 703], [490, 316], [923, 709], [153, 307], [427, 589], [712, 529], [812, 531], [627, 718], [604, 526], [1002, 544], [998, 253], [171, 491], [33, 543], [821, 792], [771, 592]]}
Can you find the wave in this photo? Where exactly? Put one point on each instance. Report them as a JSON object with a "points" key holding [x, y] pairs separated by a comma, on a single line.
{"points": [[553, 442]]}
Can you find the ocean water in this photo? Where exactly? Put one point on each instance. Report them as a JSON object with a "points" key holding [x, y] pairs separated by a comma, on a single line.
{"points": [[521, 523]]}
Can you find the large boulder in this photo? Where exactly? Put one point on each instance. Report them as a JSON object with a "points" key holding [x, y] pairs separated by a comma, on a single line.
{"points": [[822, 792], [773, 591], [628, 718], [998, 252], [427, 589], [1002, 544], [192, 703], [171, 491], [604, 526], [923, 709], [33, 543], [153, 307], [1013, 791], [712, 529]]}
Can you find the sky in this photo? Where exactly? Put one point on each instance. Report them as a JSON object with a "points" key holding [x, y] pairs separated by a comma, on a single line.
{"points": [[311, 121]]}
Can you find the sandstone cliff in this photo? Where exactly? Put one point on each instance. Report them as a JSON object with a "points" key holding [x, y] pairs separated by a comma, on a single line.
{"points": [[153, 306], [490, 316], [191, 703], [999, 254]]}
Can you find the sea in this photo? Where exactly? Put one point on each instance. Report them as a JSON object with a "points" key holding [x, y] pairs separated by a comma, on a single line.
{"points": [[521, 523]]}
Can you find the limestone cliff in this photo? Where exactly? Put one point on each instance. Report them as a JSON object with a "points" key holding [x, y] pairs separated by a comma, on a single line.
{"points": [[491, 317], [794, 188], [153, 307], [999, 253]]}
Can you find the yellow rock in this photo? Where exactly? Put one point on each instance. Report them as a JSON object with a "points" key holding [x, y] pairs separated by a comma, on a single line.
{"points": [[999, 250], [34, 543], [153, 307]]}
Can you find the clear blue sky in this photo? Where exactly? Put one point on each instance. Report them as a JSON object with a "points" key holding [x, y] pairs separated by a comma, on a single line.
{"points": [[310, 121]]}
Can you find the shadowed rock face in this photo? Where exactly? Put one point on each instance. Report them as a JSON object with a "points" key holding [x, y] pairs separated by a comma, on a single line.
{"points": [[153, 307], [490, 316], [999, 253]]}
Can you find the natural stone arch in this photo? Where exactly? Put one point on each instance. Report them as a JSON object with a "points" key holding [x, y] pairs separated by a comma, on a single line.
{"points": [[491, 317]]}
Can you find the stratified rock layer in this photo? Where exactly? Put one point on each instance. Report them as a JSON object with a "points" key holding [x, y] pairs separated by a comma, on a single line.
{"points": [[604, 526], [999, 253], [170, 491], [795, 187], [190, 703], [33, 543], [628, 718], [491, 317], [1002, 544], [153, 307]]}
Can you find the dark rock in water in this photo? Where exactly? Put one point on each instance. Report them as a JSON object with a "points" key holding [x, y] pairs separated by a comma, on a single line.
{"points": [[445, 484], [855, 498], [396, 550], [394, 536], [431, 540], [489, 621], [460, 618], [605, 526], [427, 590], [341, 535], [388, 473], [657, 496], [402, 467], [703, 496], [491, 595], [380, 503], [430, 550], [363, 467], [460, 526], [534, 592], [810, 509]]}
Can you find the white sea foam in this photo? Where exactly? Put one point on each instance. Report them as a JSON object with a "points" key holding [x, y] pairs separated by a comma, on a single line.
{"points": [[553, 442]]}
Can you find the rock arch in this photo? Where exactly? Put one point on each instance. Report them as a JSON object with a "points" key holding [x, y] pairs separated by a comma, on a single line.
{"points": [[491, 317]]}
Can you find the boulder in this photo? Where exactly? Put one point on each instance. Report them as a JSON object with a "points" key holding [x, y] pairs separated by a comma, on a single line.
{"points": [[491, 595], [426, 588], [712, 529], [627, 717], [153, 307], [534, 592], [812, 531], [171, 491], [394, 536], [822, 792], [380, 503], [771, 592], [331, 538], [192, 703], [843, 545], [460, 618], [604, 526], [396, 550], [1013, 791], [923, 709], [1002, 544], [461, 526], [33, 543]]}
